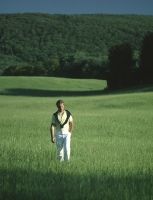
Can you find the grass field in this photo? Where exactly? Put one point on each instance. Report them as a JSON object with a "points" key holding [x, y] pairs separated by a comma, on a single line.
{"points": [[112, 143]]}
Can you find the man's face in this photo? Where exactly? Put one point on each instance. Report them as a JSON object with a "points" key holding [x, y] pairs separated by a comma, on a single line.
{"points": [[60, 106]]}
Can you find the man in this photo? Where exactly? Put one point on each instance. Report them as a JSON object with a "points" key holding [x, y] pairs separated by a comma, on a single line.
{"points": [[61, 129]]}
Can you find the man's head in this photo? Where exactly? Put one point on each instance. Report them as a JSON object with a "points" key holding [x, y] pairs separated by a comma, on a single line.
{"points": [[60, 105]]}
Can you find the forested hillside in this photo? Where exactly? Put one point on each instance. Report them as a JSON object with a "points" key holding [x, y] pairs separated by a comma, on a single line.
{"points": [[49, 42]]}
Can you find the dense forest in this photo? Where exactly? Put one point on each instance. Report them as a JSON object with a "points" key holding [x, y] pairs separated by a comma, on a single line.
{"points": [[67, 45]]}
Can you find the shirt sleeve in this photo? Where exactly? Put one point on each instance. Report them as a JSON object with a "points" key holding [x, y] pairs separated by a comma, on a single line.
{"points": [[71, 118]]}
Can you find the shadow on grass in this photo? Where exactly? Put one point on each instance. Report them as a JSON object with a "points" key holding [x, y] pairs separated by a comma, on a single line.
{"points": [[20, 184], [54, 93], [48, 93]]}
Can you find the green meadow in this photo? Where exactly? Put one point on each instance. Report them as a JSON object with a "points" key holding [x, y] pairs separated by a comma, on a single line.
{"points": [[111, 148]]}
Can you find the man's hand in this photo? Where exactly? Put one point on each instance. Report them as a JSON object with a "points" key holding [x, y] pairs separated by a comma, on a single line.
{"points": [[53, 140]]}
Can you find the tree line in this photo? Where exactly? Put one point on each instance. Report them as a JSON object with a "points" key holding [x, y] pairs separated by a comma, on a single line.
{"points": [[83, 46]]}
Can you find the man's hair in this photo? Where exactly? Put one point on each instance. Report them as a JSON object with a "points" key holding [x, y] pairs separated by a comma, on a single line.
{"points": [[59, 102]]}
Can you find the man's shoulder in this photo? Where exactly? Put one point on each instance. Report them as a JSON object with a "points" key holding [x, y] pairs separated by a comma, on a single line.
{"points": [[68, 112], [55, 113]]}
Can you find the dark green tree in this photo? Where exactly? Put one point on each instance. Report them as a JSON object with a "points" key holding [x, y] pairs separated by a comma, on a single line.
{"points": [[146, 59], [120, 66]]}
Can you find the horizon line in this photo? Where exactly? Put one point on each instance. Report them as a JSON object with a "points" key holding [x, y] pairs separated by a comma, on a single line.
{"points": [[90, 13]]}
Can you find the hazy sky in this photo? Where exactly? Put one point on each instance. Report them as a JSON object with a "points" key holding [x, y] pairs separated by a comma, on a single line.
{"points": [[78, 6]]}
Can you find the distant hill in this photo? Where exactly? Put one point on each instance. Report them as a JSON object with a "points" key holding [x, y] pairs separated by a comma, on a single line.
{"points": [[34, 39]]}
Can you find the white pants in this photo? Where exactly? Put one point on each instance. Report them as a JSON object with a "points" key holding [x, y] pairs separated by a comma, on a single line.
{"points": [[63, 146]]}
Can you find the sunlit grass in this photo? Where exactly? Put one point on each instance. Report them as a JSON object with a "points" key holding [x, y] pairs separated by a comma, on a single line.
{"points": [[112, 151]]}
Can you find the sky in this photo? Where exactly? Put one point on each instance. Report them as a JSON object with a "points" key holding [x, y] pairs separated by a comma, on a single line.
{"points": [[140, 7]]}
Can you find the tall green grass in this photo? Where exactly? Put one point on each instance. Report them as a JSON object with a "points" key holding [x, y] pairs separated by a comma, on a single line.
{"points": [[112, 151]]}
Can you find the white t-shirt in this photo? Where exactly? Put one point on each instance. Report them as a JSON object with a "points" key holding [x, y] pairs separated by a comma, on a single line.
{"points": [[61, 117]]}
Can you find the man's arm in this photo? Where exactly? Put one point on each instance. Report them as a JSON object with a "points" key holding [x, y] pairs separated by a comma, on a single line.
{"points": [[71, 125], [52, 133]]}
